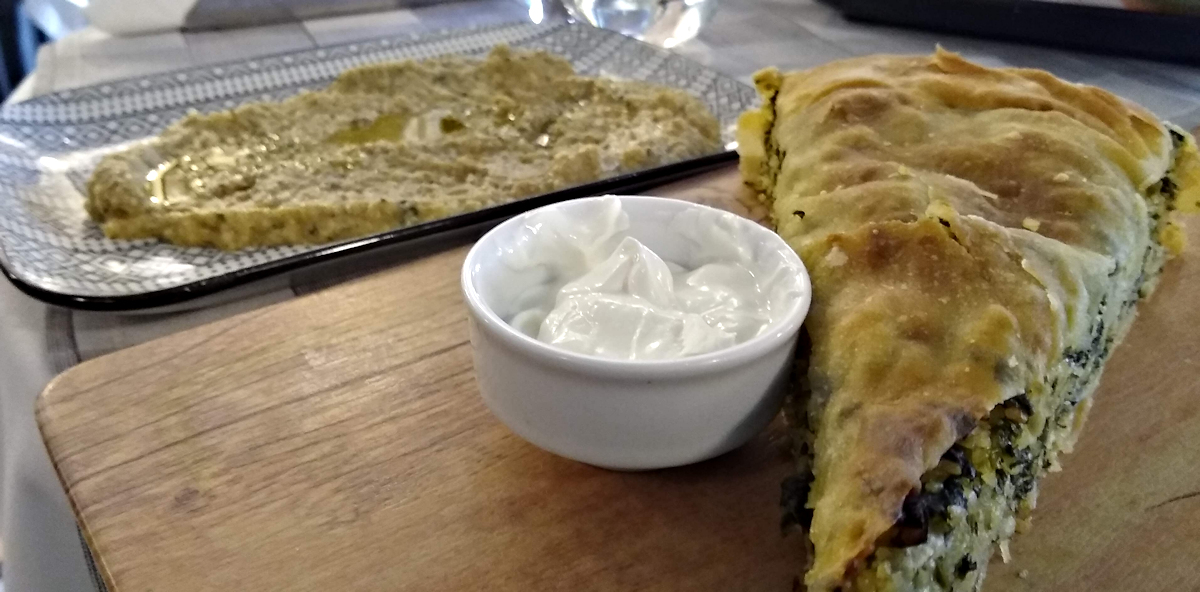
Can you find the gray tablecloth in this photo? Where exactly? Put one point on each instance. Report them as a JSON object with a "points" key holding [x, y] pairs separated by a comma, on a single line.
{"points": [[41, 543]]}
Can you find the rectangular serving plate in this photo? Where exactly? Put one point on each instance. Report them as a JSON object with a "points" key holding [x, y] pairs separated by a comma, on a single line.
{"points": [[49, 145]]}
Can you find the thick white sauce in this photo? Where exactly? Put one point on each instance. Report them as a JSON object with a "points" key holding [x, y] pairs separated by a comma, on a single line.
{"points": [[591, 288]]}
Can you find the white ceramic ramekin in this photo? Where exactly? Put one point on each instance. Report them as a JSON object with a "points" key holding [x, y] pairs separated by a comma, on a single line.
{"points": [[623, 414]]}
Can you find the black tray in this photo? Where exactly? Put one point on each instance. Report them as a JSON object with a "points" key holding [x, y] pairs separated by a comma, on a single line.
{"points": [[1170, 37]]}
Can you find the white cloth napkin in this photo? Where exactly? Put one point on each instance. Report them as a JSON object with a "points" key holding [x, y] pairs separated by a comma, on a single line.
{"points": [[135, 17]]}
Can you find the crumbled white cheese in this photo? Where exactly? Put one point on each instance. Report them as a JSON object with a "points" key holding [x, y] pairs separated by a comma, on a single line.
{"points": [[836, 257]]}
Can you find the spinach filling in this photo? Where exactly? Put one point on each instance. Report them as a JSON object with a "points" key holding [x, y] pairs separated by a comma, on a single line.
{"points": [[773, 163], [984, 484]]}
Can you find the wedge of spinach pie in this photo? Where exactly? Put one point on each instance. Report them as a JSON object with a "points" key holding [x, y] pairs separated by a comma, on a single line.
{"points": [[978, 240]]}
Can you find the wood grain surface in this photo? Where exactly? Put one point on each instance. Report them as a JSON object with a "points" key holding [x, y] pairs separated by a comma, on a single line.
{"points": [[337, 442]]}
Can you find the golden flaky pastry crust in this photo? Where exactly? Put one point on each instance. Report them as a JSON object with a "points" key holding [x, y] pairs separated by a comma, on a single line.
{"points": [[964, 227]]}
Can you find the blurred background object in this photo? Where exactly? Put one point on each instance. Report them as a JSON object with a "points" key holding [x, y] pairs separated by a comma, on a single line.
{"points": [[1168, 6], [21, 35], [1167, 30], [666, 23], [55, 18]]}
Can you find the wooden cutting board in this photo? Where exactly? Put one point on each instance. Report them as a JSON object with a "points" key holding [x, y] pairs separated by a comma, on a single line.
{"points": [[337, 442]]}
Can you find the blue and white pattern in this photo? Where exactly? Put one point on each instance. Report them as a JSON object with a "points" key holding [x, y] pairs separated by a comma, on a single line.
{"points": [[49, 145]]}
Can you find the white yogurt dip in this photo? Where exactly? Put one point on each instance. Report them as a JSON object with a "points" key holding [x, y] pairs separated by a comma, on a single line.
{"points": [[582, 283]]}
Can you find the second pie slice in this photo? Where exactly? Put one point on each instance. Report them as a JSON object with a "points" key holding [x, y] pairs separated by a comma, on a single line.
{"points": [[978, 241]]}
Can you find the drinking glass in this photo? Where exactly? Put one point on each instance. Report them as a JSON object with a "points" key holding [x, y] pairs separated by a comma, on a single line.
{"points": [[665, 23]]}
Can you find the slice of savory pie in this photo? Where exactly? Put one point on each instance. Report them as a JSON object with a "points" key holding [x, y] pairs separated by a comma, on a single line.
{"points": [[978, 240]]}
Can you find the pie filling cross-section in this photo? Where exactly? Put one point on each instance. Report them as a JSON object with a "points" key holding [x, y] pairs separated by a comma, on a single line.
{"points": [[978, 240]]}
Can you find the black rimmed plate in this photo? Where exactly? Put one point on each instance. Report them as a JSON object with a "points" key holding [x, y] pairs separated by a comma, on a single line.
{"points": [[49, 146]]}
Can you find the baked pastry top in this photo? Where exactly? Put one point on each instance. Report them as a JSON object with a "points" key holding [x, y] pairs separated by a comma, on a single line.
{"points": [[977, 240]]}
